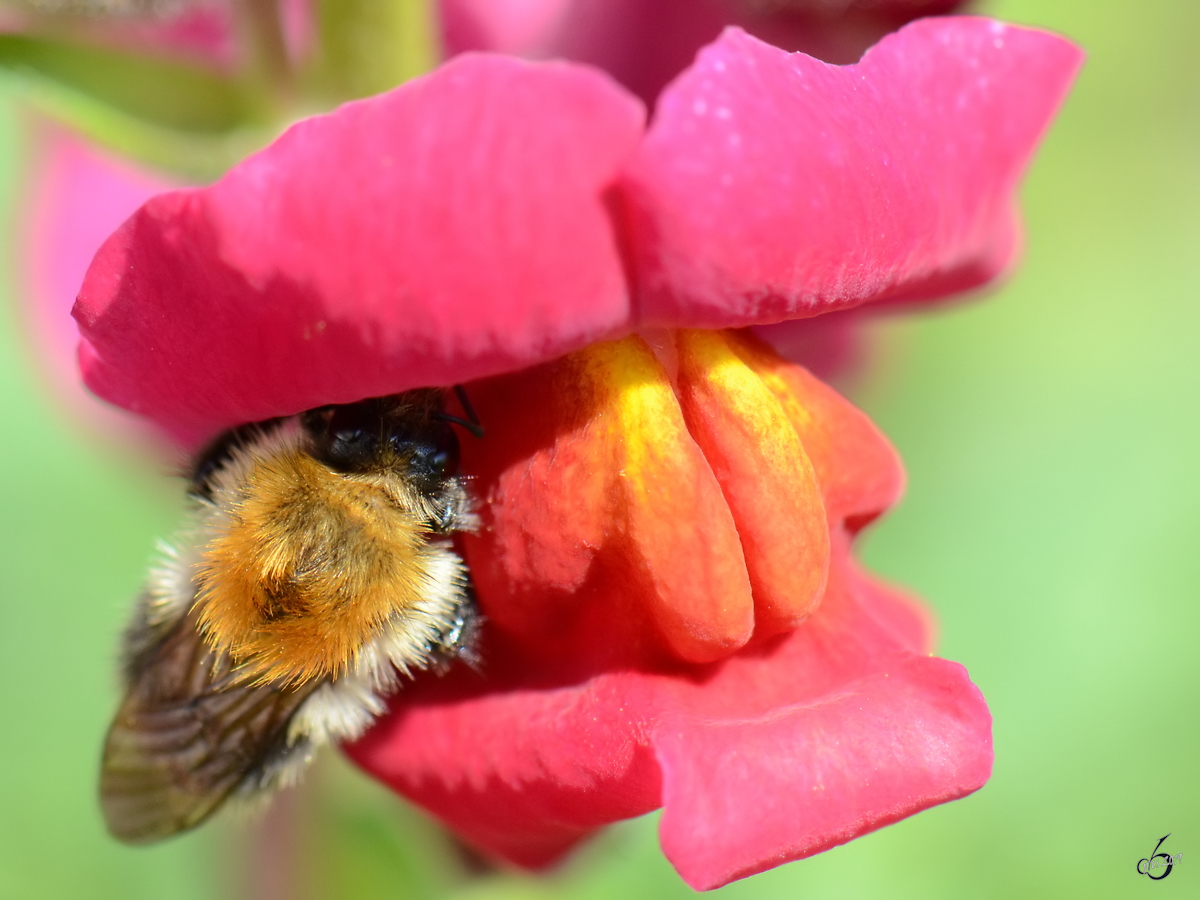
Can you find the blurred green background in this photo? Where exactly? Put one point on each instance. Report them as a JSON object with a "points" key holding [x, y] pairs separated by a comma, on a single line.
{"points": [[1053, 521]]}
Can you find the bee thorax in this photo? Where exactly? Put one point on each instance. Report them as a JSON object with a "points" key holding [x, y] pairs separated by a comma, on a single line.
{"points": [[303, 566]]}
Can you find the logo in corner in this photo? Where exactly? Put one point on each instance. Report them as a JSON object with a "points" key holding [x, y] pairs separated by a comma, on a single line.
{"points": [[1156, 861]]}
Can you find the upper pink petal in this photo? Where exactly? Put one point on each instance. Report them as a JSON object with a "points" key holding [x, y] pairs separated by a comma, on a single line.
{"points": [[463, 225], [448, 230], [774, 186]]}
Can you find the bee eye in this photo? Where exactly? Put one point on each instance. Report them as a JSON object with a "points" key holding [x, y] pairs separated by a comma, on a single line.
{"points": [[444, 458], [352, 438], [433, 455]]}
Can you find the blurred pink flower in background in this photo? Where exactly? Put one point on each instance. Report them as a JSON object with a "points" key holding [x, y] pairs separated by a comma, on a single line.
{"points": [[674, 615], [200, 31], [77, 196], [203, 31], [645, 43]]}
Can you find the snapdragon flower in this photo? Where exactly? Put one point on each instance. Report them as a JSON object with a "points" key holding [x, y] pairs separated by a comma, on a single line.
{"points": [[673, 613]]}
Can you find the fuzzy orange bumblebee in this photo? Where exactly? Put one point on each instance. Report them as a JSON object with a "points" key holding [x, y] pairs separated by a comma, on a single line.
{"points": [[306, 564], [318, 564]]}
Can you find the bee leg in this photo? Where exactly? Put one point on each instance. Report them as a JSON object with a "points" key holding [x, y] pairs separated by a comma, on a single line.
{"points": [[459, 641]]}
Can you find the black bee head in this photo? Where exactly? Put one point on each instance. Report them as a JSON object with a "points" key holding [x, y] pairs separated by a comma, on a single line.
{"points": [[429, 449], [388, 432], [352, 437]]}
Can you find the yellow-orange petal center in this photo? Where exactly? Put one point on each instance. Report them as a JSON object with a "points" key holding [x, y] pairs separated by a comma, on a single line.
{"points": [[671, 485]]}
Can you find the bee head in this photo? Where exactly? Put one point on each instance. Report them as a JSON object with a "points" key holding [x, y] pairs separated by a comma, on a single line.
{"points": [[387, 433]]}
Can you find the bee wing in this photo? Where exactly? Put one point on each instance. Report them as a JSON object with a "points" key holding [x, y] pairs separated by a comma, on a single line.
{"points": [[187, 735]]}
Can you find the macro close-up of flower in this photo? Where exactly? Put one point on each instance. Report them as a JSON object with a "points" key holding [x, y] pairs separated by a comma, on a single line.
{"points": [[672, 613], [667, 268]]}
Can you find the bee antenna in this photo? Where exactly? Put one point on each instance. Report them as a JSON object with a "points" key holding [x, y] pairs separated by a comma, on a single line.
{"points": [[472, 424], [475, 430]]}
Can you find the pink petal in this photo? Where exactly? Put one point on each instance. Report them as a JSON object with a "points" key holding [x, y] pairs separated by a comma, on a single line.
{"points": [[833, 32], [774, 186], [743, 796], [450, 229], [645, 43], [77, 197], [528, 28], [829, 346], [558, 741]]}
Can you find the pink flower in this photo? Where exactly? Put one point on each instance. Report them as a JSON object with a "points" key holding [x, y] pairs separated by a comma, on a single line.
{"points": [[645, 43], [674, 615], [77, 197], [202, 32]]}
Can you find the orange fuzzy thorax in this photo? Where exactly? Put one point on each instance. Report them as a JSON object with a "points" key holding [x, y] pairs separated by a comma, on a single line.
{"points": [[308, 566]]}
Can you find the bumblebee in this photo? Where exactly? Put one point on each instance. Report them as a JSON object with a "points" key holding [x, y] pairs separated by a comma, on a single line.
{"points": [[317, 568]]}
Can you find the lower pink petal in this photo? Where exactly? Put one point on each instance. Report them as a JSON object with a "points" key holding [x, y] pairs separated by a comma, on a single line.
{"points": [[746, 795], [522, 768], [786, 748]]}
